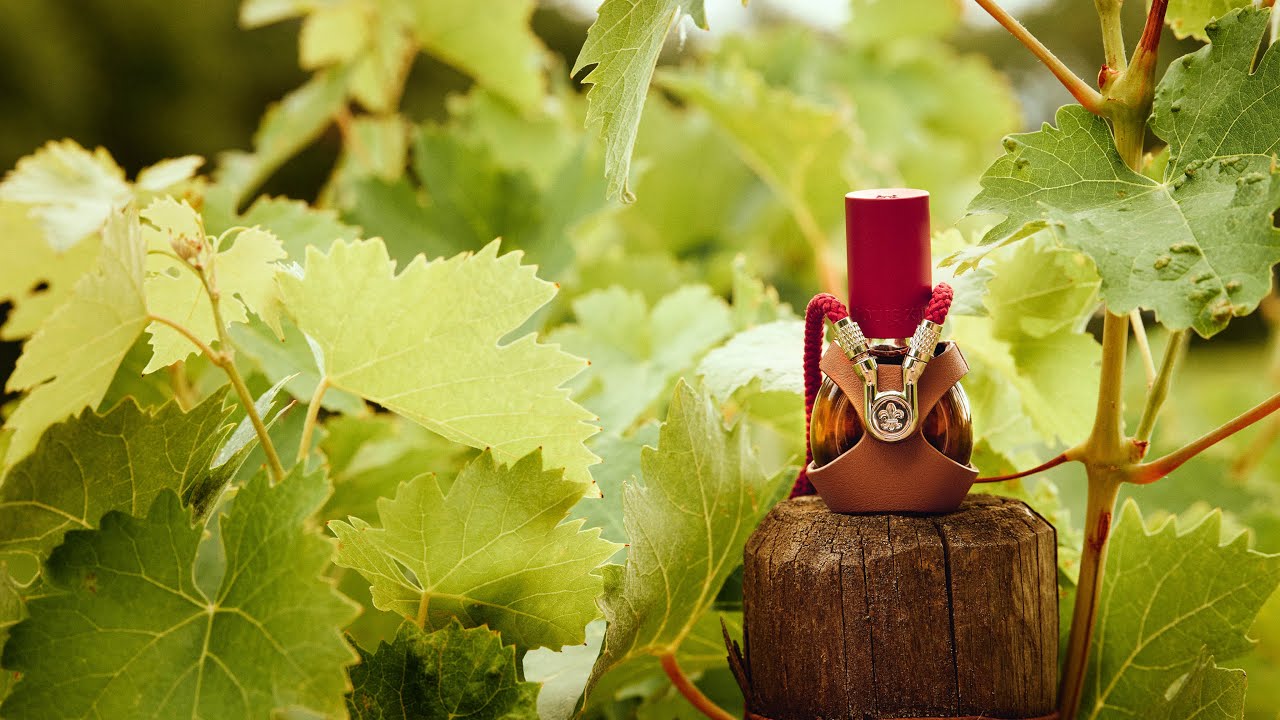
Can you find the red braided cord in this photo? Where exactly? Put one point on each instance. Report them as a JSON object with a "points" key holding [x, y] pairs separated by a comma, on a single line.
{"points": [[821, 308], [825, 307], [936, 311]]}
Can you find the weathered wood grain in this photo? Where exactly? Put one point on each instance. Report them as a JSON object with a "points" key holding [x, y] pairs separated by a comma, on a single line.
{"points": [[890, 616]]}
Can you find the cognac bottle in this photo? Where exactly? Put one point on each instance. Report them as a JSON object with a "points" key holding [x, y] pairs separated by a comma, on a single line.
{"points": [[890, 283]]}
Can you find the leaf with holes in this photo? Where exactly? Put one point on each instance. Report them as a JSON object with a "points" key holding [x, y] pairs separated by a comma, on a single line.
{"points": [[489, 549], [133, 626], [450, 673], [702, 494], [425, 343], [69, 364]]}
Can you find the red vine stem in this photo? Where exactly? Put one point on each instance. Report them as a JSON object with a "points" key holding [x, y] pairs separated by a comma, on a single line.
{"points": [[1084, 94], [1065, 457], [1150, 472], [704, 704]]}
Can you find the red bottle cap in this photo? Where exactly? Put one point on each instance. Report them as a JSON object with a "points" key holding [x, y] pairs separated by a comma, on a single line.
{"points": [[890, 270]]}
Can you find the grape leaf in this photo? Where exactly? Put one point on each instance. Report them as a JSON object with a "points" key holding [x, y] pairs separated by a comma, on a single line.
{"points": [[702, 495], [623, 44], [770, 353], [297, 224], [491, 549], [73, 191], [70, 362], [424, 343], [244, 276], [805, 152], [1166, 596], [619, 465], [492, 42], [1188, 18], [1053, 378], [35, 279], [289, 357], [450, 673], [90, 464], [1200, 244], [129, 631], [1039, 290], [637, 352], [563, 674], [287, 126], [12, 611]]}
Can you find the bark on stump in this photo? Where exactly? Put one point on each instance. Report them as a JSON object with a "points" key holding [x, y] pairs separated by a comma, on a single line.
{"points": [[891, 616]]}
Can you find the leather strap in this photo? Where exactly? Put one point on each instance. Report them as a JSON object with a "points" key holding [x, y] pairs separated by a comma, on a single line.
{"points": [[906, 476]]}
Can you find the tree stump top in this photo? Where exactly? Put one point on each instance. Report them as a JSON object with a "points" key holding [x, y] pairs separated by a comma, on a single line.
{"points": [[884, 616]]}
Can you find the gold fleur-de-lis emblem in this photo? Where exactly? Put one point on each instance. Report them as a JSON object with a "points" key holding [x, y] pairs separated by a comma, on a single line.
{"points": [[890, 417]]}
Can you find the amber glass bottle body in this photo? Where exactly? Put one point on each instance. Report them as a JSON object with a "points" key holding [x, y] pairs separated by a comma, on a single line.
{"points": [[835, 426]]}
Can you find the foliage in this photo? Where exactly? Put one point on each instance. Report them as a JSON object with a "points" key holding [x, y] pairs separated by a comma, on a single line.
{"points": [[565, 413]]}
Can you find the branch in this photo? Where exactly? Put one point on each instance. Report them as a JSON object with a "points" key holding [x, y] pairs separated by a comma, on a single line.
{"points": [[1083, 93], [1144, 346], [184, 332], [313, 414], [1066, 457], [1150, 472], [1177, 343], [1112, 34], [1107, 439], [704, 704]]}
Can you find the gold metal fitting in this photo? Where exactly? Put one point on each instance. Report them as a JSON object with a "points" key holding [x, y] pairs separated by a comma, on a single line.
{"points": [[920, 351], [855, 346]]}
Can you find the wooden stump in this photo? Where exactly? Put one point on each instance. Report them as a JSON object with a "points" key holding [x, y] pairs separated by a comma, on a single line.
{"points": [[890, 616]]}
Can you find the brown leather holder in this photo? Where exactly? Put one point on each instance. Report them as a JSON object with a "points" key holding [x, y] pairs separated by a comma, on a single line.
{"points": [[909, 475]]}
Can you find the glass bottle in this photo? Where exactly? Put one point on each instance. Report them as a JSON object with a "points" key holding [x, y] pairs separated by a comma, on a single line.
{"points": [[890, 283]]}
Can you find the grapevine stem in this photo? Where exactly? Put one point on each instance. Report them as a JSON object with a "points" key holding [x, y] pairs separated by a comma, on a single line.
{"points": [[1112, 33], [1053, 462], [1104, 487], [313, 414], [184, 332], [1156, 469], [423, 604], [704, 704], [1159, 390], [1107, 439], [226, 360], [1144, 346], [1084, 94]]}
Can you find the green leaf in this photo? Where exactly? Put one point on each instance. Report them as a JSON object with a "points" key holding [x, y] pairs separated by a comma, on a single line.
{"points": [[450, 673], [619, 465], [424, 343], [73, 191], [12, 611], [287, 127], [289, 357], [636, 353], [298, 225], [563, 674], [623, 44], [1039, 290], [244, 275], [1168, 596], [768, 353], [1196, 248], [491, 549], [805, 152], [1188, 18], [36, 279], [91, 464], [70, 362], [492, 42], [129, 631], [1051, 380], [702, 495]]}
